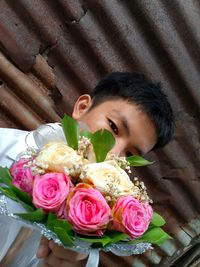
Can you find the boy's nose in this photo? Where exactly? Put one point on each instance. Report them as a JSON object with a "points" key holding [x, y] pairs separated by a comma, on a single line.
{"points": [[119, 149]]}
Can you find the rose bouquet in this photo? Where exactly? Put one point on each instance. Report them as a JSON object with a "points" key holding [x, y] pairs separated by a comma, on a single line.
{"points": [[78, 193]]}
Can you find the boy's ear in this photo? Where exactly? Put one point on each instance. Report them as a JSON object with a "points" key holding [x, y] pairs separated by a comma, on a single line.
{"points": [[81, 106]]}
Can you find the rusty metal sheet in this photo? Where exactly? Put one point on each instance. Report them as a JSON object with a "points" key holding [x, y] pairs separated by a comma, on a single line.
{"points": [[60, 49]]}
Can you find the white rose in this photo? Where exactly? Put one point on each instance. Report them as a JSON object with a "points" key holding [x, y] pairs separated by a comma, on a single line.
{"points": [[59, 157], [109, 179]]}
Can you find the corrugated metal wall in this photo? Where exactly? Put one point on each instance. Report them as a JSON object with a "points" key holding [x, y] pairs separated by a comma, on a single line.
{"points": [[52, 51]]}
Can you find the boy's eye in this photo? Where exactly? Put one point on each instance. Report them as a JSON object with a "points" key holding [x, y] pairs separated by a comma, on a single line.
{"points": [[113, 126], [128, 154]]}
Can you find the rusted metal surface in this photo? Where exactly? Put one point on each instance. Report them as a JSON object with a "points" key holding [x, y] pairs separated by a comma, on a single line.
{"points": [[52, 51]]}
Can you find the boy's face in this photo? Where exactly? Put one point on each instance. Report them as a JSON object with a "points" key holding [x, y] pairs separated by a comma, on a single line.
{"points": [[133, 130]]}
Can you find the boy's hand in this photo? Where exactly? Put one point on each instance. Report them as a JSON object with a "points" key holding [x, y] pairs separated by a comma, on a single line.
{"points": [[43, 249], [54, 255]]}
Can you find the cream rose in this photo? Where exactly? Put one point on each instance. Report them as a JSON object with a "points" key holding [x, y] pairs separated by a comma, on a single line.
{"points": [[59, 157], [109, 179]]}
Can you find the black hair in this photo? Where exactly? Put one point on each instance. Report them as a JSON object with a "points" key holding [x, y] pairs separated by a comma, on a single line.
{"points": [[135, 88]]}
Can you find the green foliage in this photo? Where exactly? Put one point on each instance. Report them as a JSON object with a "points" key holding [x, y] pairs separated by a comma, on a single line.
{"points": [[5, 176], [62, 228], [154, 235], [54, 222], [70, 128], [102, 141], [101, 241], [117, 236], [36, 216], [23, 196], [109, 238], [157, 220], [9, 193], [137, 161], [63, 236], [51, 217], [86, 133]]}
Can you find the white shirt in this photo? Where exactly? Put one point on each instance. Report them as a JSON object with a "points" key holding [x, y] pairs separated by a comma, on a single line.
{"points": [[12, 142]]}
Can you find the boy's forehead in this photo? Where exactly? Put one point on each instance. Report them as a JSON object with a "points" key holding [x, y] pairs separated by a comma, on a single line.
{"points": [[115, 103], [121, 107]]}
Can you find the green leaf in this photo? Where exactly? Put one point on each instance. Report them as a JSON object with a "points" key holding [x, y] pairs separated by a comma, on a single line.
{"points": [[86, 133], [136, 241], [162, 239], [63, 236], [2, 181], [62, 228], [9, 193], [101, 240], [5, 176], [110, 238], [23, 196], [35, 216], [138, 161], [51, 217], [117, 236], [157, 220], [70, 128], [102, 141], [154, 235], [61, 224]]}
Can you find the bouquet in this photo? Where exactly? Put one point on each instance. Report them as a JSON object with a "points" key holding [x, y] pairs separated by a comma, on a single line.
{"points": [[79, 194]]}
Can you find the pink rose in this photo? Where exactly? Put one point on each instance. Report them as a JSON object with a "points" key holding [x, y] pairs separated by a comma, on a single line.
{"points": [[149, 211], [61, 213], [131, 217], [87, 210], [22, 175], [50, 191]]}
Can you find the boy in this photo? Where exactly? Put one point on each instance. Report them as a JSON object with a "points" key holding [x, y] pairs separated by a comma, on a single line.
{"points": [[138, 114]]}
